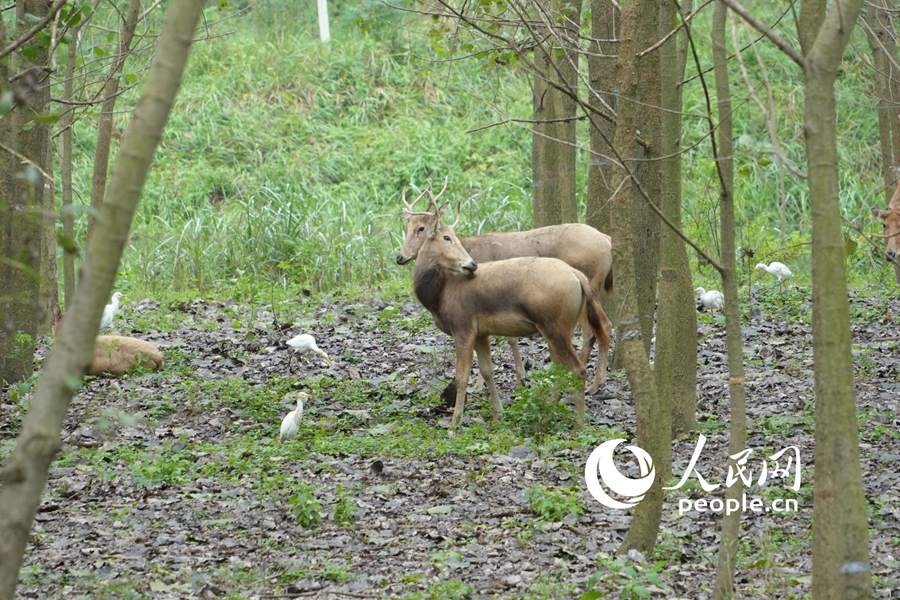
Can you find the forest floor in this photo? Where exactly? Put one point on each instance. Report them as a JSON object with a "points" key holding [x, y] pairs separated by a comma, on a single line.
{"points": [[173, 484]]}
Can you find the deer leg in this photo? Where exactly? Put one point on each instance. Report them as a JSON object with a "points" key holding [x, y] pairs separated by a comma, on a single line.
{"points": [[483, 349], [587, 345], [464, 345], [562, 352], [602, 356], [520, 368]]}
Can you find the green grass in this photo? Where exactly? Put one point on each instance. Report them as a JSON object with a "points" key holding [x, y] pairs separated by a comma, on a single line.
{"points": [[283, 159]]}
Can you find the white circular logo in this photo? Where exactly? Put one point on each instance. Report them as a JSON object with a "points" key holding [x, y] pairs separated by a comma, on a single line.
{"points": [[601, 460]]}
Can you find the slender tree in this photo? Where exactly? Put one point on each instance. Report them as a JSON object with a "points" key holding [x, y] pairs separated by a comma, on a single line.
{"points": [[25, 474], [882, 38], [840, 535], [23, 173], [553, 140], [110, 95], [601, 63], [734, 341], [676, 340], [640, 23]]}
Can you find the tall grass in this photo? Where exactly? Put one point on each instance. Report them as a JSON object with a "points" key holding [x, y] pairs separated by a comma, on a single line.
{"points": [[284, 157]]}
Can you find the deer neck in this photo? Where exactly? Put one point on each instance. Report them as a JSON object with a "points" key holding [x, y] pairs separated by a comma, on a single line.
{"points": [[428, 284]]}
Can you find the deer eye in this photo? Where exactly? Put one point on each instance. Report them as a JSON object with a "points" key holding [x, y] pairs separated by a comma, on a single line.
{"points": [[421, 229], [447, 237]]}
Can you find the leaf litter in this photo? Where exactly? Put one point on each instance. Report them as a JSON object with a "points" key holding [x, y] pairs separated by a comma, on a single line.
{"points": [[173, 485]]}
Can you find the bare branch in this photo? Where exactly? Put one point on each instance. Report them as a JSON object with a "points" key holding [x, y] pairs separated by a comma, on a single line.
{"points": [[33, 31], [666, 37], [776, 39]]}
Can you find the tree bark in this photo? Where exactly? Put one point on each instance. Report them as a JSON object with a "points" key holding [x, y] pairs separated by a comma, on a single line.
{"points": [[553, 140], [737, 440], [48, 300], [105, 128], [640, 25], [676, 340], [602, 77], [645, 222], [25, 474], [65, 164], [23, 175], [881, 35], [840, 537]]}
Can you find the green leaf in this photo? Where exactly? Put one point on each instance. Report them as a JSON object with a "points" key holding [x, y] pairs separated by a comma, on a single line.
{"points": [[31, 52], [47, 118], [641, 591], [73, 383], [98, 51], [131, 78], [764, 162], [592, 595], [6, 101], [850, 247], [630, 571]]}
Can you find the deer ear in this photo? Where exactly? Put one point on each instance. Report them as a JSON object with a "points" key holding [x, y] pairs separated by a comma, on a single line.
{"points": [[433, 229], [878, 212], [404, 214]]}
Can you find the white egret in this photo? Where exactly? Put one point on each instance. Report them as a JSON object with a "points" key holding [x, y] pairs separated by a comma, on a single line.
{"points": [[290, 425], [712, 300], [777, 269], [304, 343], [110, 311]]}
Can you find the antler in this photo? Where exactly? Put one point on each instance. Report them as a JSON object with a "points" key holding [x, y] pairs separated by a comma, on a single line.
{"points": [[458, 216], [409, 207], [443, 189]]}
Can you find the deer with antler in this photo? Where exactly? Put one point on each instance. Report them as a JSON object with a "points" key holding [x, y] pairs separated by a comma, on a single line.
{"points": [[515, 297], [578, 245]]}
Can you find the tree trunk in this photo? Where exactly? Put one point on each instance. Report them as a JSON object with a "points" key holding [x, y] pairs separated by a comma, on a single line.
{"points": [[640, 26], [105, 128], [65, 164], [48, 300], [676, 340], [23, 174], [840, 537], [25, 473], [553, 141], [737, 440], [602, 77], [881, 35], [645, 222]]}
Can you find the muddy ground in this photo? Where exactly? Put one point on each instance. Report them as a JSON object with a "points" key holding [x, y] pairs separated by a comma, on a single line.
{"points": [[173, 484]]}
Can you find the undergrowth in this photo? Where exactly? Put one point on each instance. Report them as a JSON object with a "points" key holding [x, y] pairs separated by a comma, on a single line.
{"points": [[284, 158]]}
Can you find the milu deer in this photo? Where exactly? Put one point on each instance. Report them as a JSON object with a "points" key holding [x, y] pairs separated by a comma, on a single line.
{"points": [[515, 297], [580, 246], [891, 217]]}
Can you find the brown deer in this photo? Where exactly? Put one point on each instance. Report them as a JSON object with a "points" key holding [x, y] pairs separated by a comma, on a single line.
{"points": [[891, 217], [580, 246], [515, 297]]}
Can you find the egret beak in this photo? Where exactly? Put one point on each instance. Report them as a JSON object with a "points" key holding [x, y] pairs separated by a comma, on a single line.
{"points": [[325, 356]]}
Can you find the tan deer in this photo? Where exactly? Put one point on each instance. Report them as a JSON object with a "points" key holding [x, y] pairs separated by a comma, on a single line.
{"points": [[891, 217], [580, 246], [515, 297]]}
